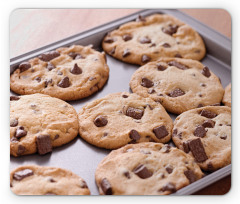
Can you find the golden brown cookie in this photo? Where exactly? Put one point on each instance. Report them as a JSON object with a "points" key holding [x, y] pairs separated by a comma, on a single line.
{"points": [[227, 96]]}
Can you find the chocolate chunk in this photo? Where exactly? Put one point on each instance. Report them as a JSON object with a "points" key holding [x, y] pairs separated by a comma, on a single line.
{"points": [[206, 72], [160, 131], [178, 65], [106, 187], [126, 53], [208, 123], [52, 180], [13, 122], [83, 184], [146, 83], [44, 144], [75, 55], [151, 91], [186, 147], [125, 96], [197, 149], [64, 83], [134, 135], [169, 187], [145, 40], [200, 131], [127, 174], [24, 66], [20, 132], [166, 148], [20, 175], [161, 67], [166, 45], [14, 139], [145, 58], [47, 81], [59, 72], [127, 37], [178, 55], [176, 92], [223, 137], [100, 121], [190, 175], [46, 57], [134, 113], [142, 172], [76, 69], [203, 85], [169, 169], [14, 98], [38, 79], [50, 66], [140, 19], [208, 114], [170, 30], [21, 150], [109, 40], [112, 52]]}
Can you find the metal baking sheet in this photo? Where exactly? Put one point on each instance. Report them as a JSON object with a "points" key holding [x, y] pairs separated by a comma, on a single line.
{"points": [[82, 158]]}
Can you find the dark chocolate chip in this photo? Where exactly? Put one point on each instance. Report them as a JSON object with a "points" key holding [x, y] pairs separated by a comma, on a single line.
{"points": [[200, 131], [44, 144], [127, 174], [200, 105], [72, 54], [125, 96], [160, 131], [127, 37], [56, 137], [106, 187], [134, 135], [20, 175], [13, 122], [145, 40], [14, 98], [112, 52], [178, 55], [100, 121], [21, 150], [197, 149], [208, 123], [223, 137], [151, 91], [169, 169], [76, 69], [146, 82], [38, 79], [169, 187], [208, 114], [178, 65], [206, 72], [50, 66], [64, 83], [186, 146], [126, 53], [24, 66], [153, 45], [166, 45], [161, 67], [170, 30], [83, 184], [109, 40], [134, 113], [142, 172], [174, 134], [203, 85], [52, 180], [14, 139], [145, 58], [47, 81], [166, 148], [140, 19], [105, 134], [20, 132], [59, 73], [176, 92], [190, 175], [46, 57]]}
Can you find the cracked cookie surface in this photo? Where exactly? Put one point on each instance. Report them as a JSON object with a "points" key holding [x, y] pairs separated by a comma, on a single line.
{"points": [[178, 84], [121, 118], [39, 180], [68, 73], [146, 169], [39, 122], [205, 133], [152, 37]]}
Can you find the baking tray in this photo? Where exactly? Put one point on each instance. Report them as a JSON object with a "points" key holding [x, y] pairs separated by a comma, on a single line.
{"points": [[82, 158]]}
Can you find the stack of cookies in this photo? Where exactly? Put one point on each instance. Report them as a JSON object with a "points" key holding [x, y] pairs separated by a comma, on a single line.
{"points": [[151, 154]]}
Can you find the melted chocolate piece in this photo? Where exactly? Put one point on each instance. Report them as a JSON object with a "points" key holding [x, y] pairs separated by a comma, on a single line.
{"points": [[24, 66], [200, 131], [142, 172], [100, 121], [178, 65], [190, 175], [20, 175], [64, 83], [208, 114], [44, 144], [46, 57], [145, 40], [176, 93], [160, 131], [208, 123], [206, 72], [197, 149], [146, 83], [127, 37], [134, 135], [106, 187], [145, 58], [134, 113], [20, 132]]}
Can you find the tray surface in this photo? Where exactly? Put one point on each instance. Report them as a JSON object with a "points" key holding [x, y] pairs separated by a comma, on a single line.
{"points": [[83, 158]]}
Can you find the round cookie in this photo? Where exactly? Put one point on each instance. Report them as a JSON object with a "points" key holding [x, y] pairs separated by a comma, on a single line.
{"points": [[146, 169], [121, 118], [39, 122], [68, 73], [152, 37], [39, 180], [227, 96], [178, 84], [205, 133]]}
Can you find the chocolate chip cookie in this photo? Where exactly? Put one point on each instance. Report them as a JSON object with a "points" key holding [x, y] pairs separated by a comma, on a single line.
{"points": [[146, 169], [152, 37], [205, 133], [178, 84], [227, 96], [121, 118], [39, 180], [68, 73], [39, 122]]}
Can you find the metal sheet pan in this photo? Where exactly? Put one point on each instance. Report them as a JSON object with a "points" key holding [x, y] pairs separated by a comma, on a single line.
{"points": [[83, 158]]}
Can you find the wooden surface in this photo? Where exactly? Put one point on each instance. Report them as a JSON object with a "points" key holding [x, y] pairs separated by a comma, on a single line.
{"points": [[34, 28]]}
